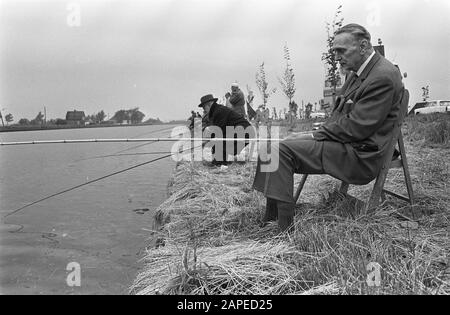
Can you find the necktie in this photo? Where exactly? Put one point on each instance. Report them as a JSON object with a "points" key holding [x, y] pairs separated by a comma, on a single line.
{"points": [[351, 79]]}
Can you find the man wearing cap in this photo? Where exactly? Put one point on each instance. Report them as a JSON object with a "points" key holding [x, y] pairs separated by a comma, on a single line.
{"points": [[351, 144], [221, 117], [237, 99]]}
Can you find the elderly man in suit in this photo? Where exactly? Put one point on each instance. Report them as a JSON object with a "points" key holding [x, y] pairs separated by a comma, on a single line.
{"points": [[350, 145]]}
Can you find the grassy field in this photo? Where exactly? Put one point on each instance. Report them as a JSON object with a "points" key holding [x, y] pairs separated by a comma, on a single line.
{"points": [[209, 239]]}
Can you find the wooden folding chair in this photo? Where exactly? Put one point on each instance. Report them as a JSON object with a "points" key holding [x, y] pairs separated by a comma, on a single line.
{"points": [[378, 191]]}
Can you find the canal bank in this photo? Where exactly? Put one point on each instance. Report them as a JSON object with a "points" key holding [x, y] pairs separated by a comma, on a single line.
{"points": [[210, 239]]}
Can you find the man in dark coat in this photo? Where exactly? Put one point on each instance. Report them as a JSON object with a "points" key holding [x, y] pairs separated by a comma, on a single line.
{"points": [[221, 117], [237, 99], [192, 120], [351, 144]]}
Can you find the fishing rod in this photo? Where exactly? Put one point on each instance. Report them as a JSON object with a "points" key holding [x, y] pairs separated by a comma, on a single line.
{"points": [[144, 134], [15, 143], [91, 181], [125, 154], [130, 148]]}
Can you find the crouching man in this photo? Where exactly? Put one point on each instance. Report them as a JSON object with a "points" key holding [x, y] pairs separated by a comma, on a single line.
{"points": [[224, 122], [351, 144]]}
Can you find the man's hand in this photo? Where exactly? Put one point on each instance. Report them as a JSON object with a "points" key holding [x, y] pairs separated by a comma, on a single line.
{"points": [[300, 136]]}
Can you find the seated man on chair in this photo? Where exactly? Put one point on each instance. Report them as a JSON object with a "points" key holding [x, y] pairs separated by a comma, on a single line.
{"points": [[351, 144]]}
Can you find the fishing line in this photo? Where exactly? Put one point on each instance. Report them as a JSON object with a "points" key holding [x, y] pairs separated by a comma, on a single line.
{"points": [[141, 145], [126, 154], [114, 153], [130, 148], [154, 131], [90, 182], [135, 147]]}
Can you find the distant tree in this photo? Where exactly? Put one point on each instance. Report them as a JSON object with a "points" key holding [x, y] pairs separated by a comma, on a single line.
{"points": [[60, 121], [287, 81], [263, 85], [308, 111], [39, 117], [293, 108], [131, 115], [333, 75], [39, 120], [24, 122], [90, 118], [100, 116], [153, 121], [136, 116], [121, 115], [9, 118]]}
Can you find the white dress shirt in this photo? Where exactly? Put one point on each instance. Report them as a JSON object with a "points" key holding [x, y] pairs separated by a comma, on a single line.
{"points": [[364, 65]]}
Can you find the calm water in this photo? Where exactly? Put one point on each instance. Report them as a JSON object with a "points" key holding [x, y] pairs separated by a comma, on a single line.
{"points": [[98, 226]]}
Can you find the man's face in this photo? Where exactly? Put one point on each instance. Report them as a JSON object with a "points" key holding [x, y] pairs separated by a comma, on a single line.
{"points": [[349, 51], [234, 89]]}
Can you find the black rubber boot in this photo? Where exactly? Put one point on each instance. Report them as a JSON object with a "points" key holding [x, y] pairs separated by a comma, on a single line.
{"points": [[271, 211], [285, 216]]}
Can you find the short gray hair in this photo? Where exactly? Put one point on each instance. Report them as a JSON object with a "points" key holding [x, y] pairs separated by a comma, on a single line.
{"points": [[358, 31]]}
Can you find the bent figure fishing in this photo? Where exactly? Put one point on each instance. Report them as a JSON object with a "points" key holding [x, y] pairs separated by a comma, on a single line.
{"points": [[224, 122]]}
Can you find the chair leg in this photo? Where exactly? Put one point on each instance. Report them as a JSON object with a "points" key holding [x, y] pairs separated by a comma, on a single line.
{"points": [[409, 187], [374, 199], [300, 187]]}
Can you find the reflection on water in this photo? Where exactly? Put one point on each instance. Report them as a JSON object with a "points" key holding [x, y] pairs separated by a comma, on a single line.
{"points": [[101, 225]]}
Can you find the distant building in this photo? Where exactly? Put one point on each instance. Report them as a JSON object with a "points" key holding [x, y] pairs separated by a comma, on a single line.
{"points": [[75, 118]]}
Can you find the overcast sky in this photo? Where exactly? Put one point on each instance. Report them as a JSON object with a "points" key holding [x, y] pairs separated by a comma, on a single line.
{"points": [[163, 55]]}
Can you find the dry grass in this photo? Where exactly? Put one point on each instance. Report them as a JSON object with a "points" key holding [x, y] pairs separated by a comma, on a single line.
{"points": [[213, 243], [430, 130]]}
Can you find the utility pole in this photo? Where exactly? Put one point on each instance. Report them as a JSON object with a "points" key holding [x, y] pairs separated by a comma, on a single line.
{"points": [[1, 116]]}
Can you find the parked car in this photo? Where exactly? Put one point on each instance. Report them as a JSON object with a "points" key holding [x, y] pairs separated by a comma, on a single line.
{"points": [[434, 107], [317, 125], [318, 115]]}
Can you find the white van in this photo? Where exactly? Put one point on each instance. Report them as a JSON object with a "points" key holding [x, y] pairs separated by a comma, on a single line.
{"points": [[434, 107], [318, 115]]}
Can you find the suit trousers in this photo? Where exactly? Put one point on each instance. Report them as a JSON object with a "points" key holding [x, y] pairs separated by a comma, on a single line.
{"points": [[306, 157]]}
